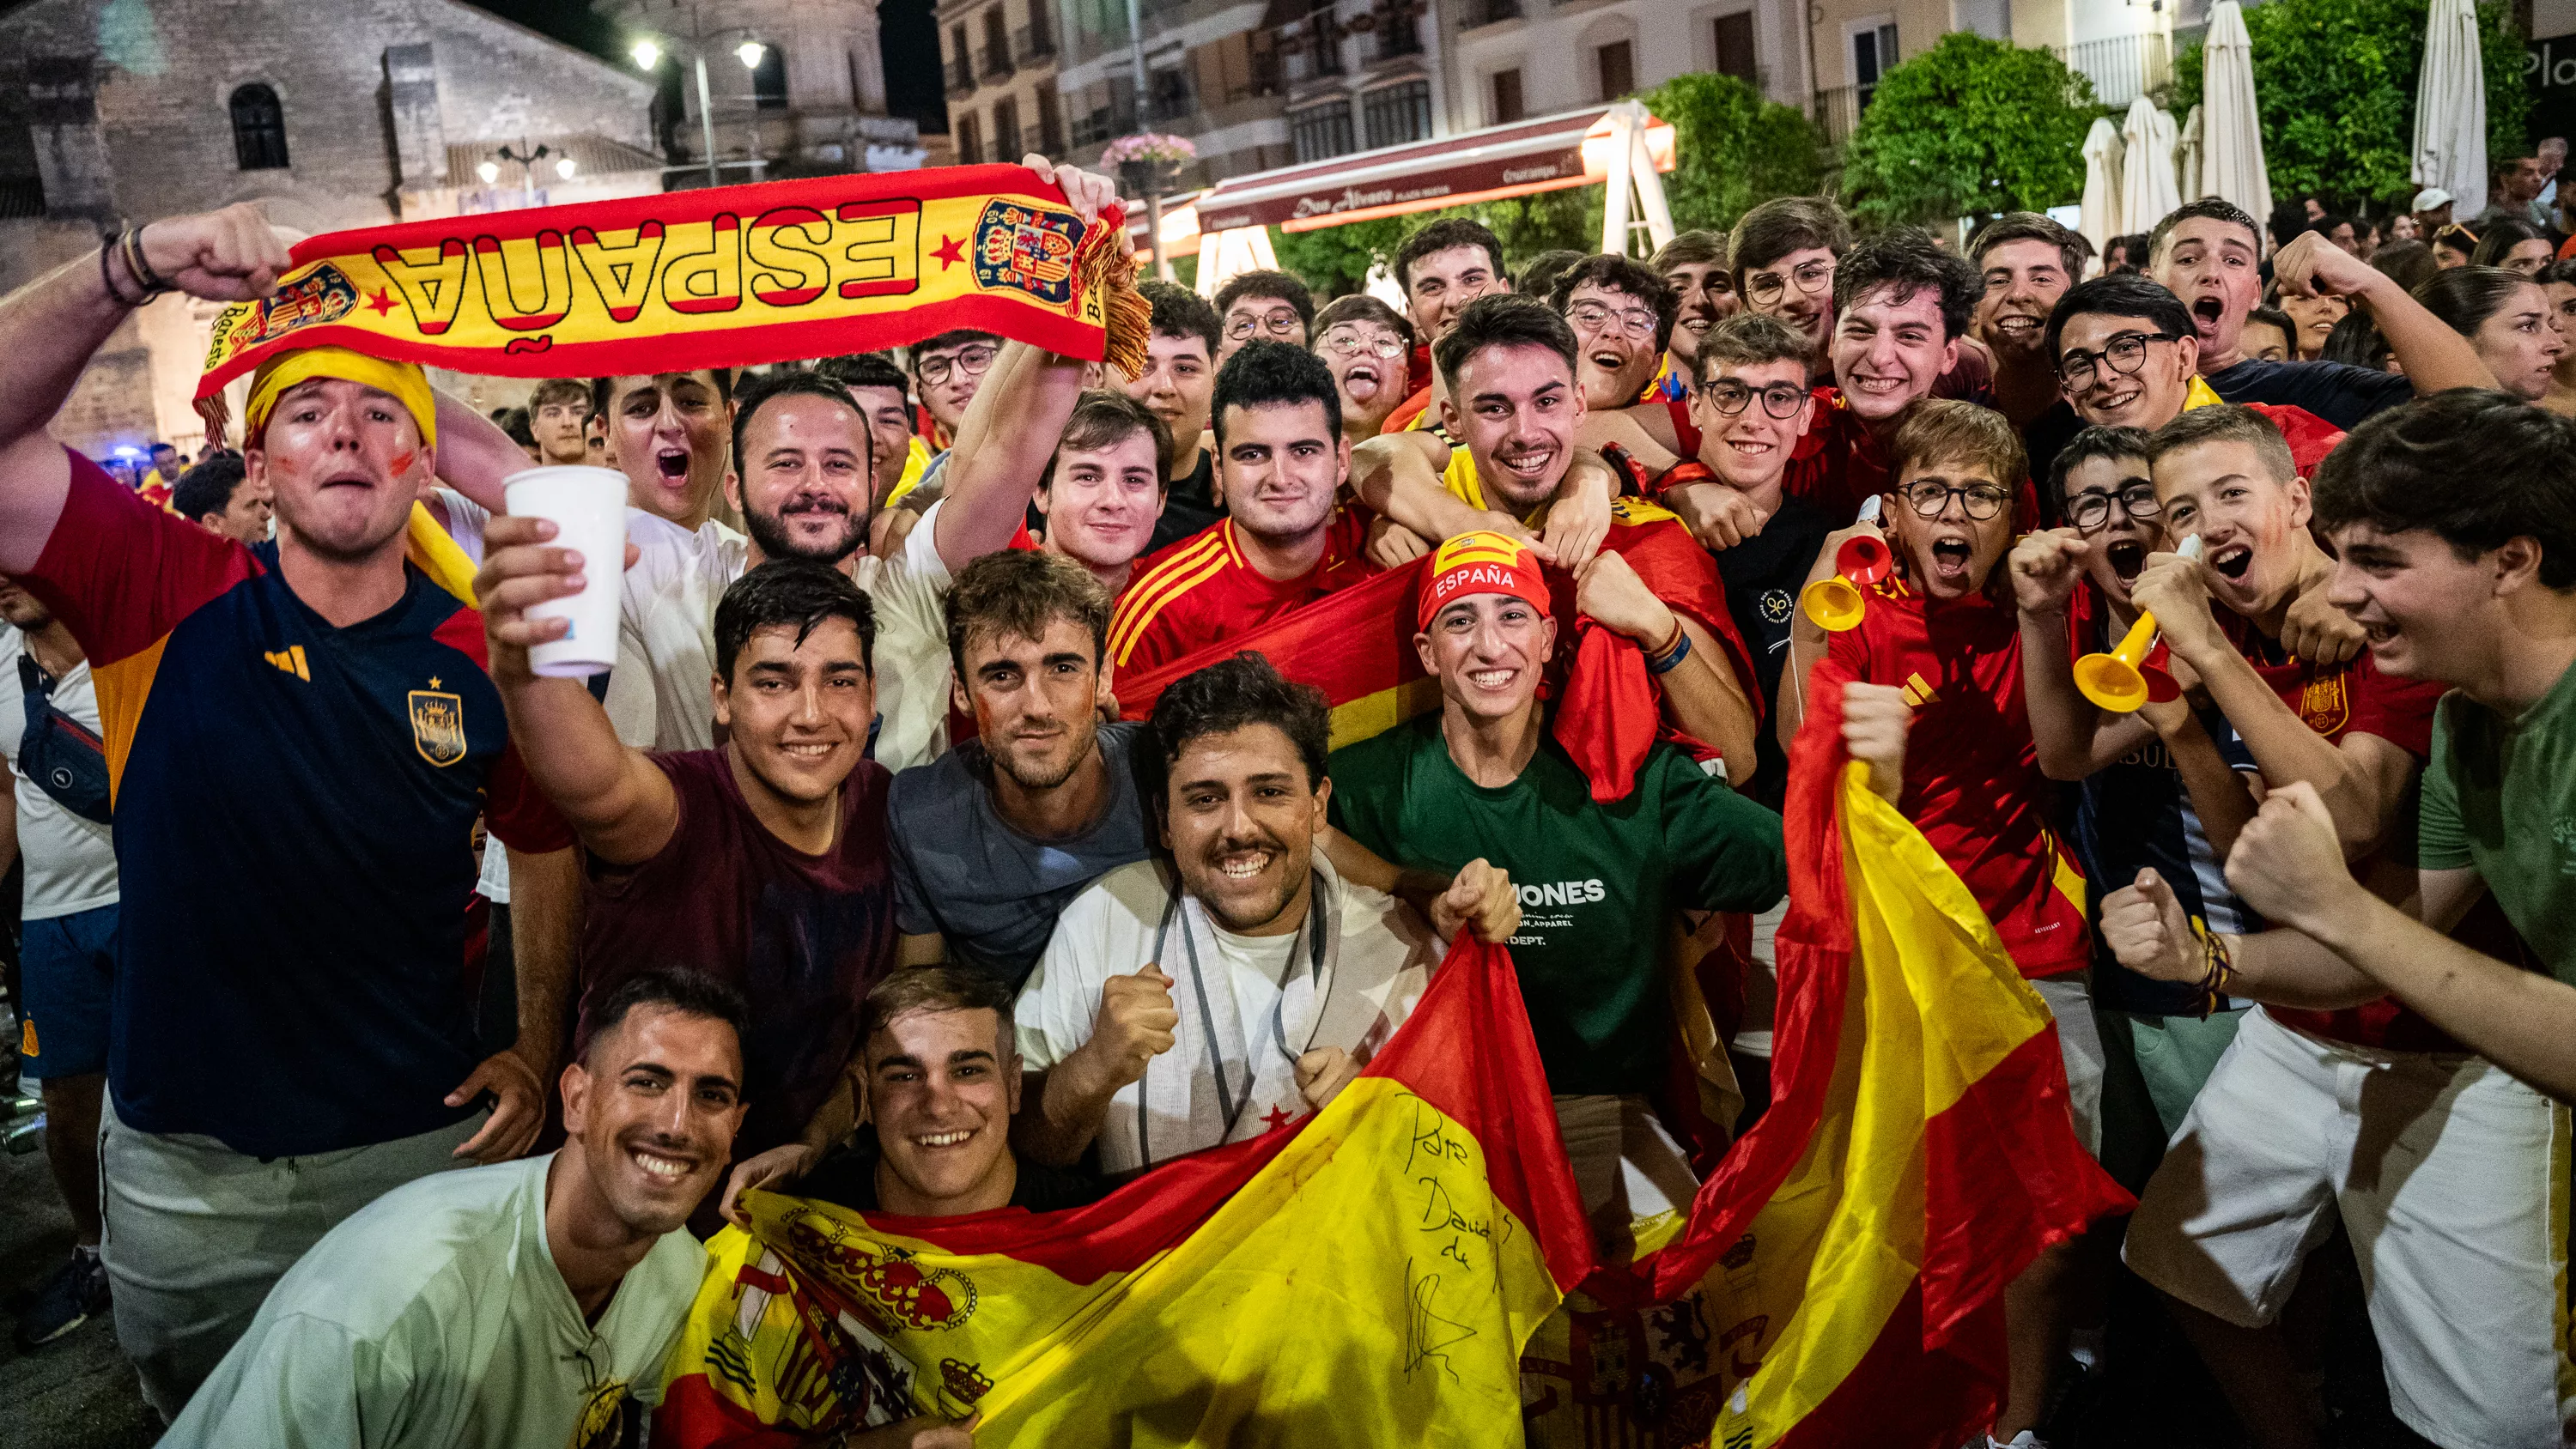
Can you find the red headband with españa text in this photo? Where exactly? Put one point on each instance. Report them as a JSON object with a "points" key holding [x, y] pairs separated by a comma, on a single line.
{"points": [[1481, 562], [720, 277]]}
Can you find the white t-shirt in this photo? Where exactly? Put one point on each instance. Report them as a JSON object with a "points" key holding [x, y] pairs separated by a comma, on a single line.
{"points": [[435, 1316], [71, 862], [463, 518], [659, 694], [1109, 930]]}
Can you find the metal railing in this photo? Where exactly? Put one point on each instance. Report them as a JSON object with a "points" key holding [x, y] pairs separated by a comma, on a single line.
{"points": [[1396, 33], [1033, 44], [961, 77], [993, 62], [2123, 67], [1838, 113]]}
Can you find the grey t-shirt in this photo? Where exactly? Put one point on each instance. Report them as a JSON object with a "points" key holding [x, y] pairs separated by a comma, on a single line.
{"points": [[994, 893]]}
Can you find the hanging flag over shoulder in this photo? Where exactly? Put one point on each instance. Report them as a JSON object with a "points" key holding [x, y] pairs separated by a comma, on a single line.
{"points": [[1918, 1153], [719, 277], [1362, 1278]]}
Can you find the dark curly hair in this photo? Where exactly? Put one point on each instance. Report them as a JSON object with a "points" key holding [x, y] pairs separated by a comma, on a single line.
{"points": [[2473, 466], [1226, 696], [1908, 260], [791, 591]]}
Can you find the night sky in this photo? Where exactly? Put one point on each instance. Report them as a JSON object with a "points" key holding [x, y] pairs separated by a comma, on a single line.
{"points": [[911, 40]]}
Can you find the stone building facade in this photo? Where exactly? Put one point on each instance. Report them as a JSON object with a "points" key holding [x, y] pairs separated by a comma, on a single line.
{"points": [[329, 113], [813, 105]]}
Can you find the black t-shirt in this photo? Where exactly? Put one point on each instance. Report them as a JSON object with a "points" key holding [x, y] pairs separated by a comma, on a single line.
{"points": [[1763, 575], [1188, 506], [847, 1177], [2338, 392], [2046, 437]]}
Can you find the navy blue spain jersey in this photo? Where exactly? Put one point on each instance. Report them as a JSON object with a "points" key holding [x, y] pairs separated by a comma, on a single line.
{"points": [[295, 810]]}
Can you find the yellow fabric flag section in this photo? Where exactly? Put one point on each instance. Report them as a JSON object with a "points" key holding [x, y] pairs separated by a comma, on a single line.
{"points": [[1364, 1277], [718, 277]]}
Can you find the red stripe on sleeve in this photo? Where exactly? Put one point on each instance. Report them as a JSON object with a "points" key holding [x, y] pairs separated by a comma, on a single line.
{"points": [[121, 573]]}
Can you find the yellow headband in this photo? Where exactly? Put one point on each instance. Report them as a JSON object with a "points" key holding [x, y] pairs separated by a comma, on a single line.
{"points": [[403, 380]]}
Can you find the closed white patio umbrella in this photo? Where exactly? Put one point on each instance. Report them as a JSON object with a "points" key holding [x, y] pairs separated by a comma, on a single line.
{"points": [[2099, 217], [2147, 186], [2187, 160], [2451, 107], [2231, 133]]}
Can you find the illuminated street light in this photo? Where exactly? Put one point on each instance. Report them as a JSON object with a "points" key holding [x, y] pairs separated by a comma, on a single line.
{"points": [[564, 168], [490, 171], [749, 53], [647, 54]]}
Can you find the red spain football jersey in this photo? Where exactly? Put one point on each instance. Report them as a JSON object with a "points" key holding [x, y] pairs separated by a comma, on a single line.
{"points": [[1202, 589], [1972, 780]]}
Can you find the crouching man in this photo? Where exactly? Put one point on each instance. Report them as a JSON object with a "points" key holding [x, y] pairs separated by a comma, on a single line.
{"points": [[1207, 998]]}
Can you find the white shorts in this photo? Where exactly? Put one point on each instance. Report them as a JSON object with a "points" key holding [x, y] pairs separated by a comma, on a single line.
{"points": [[2069, 996], [2451, 1178]]}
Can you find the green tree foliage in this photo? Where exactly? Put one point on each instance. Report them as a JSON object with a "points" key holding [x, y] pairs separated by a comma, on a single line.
{"points": [[1970, 127], [1733, 149], [2334, 84]]}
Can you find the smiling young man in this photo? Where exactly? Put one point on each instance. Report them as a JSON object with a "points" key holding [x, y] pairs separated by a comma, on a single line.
{"points": [[2443, 513], [1102, 490], [1265, 304], [1693, 264], [1484, 779], [1441, 268], [312, 712], [764, 860], [1783, 254], [1242, 982], [2027, 262], [1179, 387], [528, 1303], [1932, 702], [1286, 542], [2208, 254], [1624, 317]]}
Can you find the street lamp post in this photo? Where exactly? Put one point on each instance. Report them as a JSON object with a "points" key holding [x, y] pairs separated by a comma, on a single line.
{"points": [[647, 52], [490, 171]]}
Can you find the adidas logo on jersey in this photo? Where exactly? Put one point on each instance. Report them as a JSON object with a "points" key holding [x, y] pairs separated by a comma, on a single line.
{"points": [[290, 659]]}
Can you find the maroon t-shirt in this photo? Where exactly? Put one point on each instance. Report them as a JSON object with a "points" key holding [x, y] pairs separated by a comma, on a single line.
{"points": [[802, 936]]}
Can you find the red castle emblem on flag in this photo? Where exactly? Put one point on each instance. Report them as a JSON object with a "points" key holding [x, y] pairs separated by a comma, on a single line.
{"points": [[1026, 249]]}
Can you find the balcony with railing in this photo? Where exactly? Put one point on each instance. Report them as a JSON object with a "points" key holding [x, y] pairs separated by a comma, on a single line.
{"points": [[993, 62], [1838, 113], [1033, 44], [2123, 67], [1491, 12], [1310, 48], [961, 77], [1393, 32]]}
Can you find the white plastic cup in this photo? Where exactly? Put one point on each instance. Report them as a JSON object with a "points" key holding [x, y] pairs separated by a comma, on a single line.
{"points": [[588, 509]]}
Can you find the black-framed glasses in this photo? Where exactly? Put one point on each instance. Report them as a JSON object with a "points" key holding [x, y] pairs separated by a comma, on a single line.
{"points": [[1980, 501], [2091, 510], [1352, 344], [1780, 399], [1594, 316], [1765, 288], [1281, 322], [969, 361], [2123, 354]]}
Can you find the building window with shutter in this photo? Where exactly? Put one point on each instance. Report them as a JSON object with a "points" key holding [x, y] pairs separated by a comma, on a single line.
{"points": [[1322, 131], [259, 129], [1735, 48], [1508, 105], [1397, 114], [966, 150], [1618, 62]]}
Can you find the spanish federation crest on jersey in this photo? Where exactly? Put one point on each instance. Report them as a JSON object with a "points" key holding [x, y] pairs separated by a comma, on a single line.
{"points": [[1027, 249], [438, 726]]}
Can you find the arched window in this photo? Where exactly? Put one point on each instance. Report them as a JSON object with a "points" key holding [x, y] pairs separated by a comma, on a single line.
{"points": [[259, 129]]}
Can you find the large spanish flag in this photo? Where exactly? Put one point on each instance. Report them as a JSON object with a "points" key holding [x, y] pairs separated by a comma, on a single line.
{"points": [[1364, 1277], [1852, 1251]]}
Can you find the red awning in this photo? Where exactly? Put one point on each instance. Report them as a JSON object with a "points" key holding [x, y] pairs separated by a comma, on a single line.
{"points": [[1546, 154]]}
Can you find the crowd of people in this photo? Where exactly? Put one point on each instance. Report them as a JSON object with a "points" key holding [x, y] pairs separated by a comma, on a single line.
{"points": [[848, 880]]}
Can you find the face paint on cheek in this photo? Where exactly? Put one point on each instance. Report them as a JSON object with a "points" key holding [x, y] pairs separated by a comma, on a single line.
{"points": [[401, 462]]}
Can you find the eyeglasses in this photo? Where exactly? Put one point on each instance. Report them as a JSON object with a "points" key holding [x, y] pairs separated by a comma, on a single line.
{"points": [[1780, 399], [1765, 288], [1281, 323], [1352, 344], [1980, 501], [2123, 354], [970, 362], [2091, 511], [1593, 317]]}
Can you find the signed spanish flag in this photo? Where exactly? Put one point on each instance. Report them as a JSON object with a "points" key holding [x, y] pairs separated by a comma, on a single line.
{"points": [[719, 277], [1364, 1277]]}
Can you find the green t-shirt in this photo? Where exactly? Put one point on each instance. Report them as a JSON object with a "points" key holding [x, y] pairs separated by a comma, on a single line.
{"points": [[434, 1316], [1598, 883], [2500, 797]]}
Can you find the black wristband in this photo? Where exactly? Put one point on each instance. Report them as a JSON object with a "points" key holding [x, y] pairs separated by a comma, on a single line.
{"points": [[107, 278]]}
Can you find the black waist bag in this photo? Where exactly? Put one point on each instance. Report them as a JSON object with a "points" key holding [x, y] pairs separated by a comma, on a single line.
{"points": [[60, 753]]}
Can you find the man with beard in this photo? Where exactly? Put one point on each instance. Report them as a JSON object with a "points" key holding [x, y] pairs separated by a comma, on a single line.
{"points": [[1514, 404], [1244, 984], [530, 1303], [1179, 381], [1286, 542], [1931, 683], [764, 859], [896, 454], [273, 709], [2028, 262], [2208, 254], [2166, 789], [1484, 778], [1365, 343], [2267, 1157]]}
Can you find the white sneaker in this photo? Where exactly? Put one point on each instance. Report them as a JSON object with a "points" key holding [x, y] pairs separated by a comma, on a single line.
{"points": [[2023, 1440]]}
